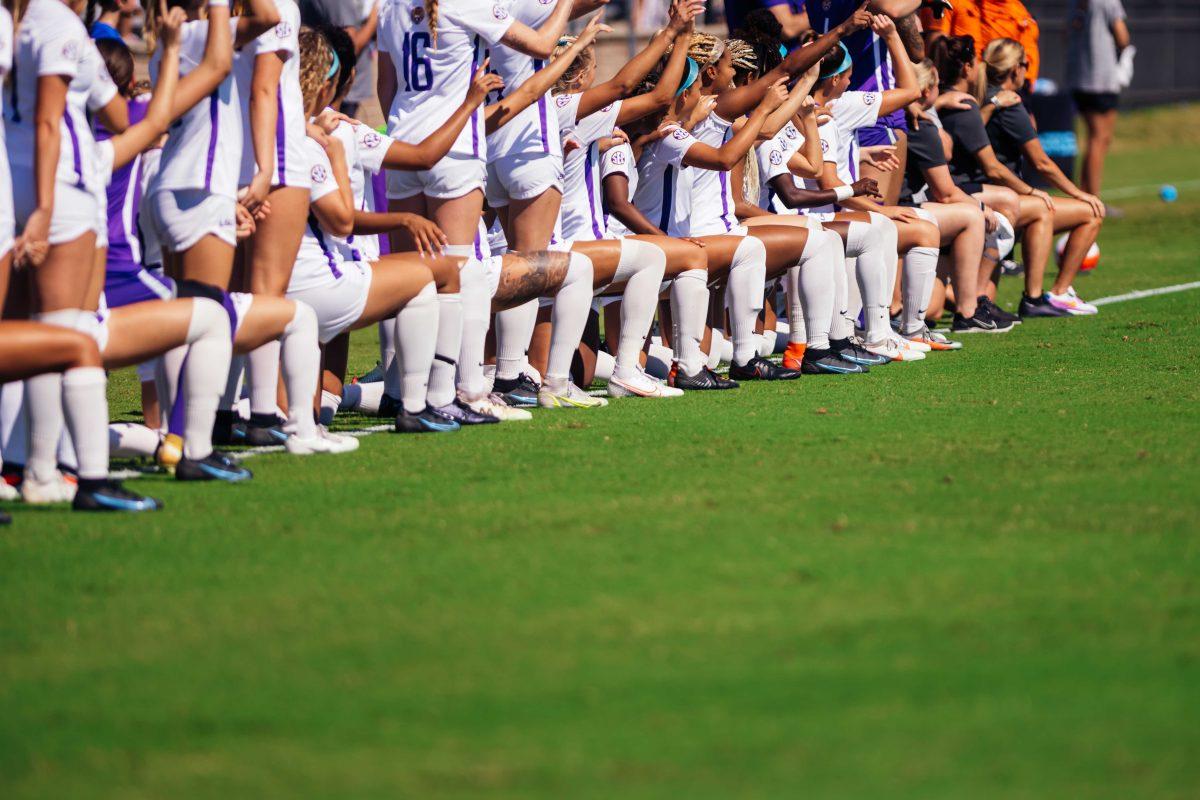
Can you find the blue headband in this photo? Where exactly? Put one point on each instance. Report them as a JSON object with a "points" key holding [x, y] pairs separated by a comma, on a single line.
{"points": [[334, 67], [783, 51], [847, 63], [689, 77]]}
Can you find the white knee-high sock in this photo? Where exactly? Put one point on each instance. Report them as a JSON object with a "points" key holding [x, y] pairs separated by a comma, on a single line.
{"points": [[387, 357], [744, 296], [14, 422], [568, 316], [44, 403], [130, 440], [86, 409], [416, 341], [514, 330], [716, 348], [300, 357], [476, 318], [264, 379], [797, 332], [206, 371], [823, 256], [641, 266], [842, 325], [920, 268], [875, 266], [689, 308], [449, 341]]}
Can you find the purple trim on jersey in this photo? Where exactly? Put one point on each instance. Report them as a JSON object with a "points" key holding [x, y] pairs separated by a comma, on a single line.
{"points": [[379, 190], [320, 237], [214, 112], [668, 200], [75, 160], [280, 140], [541, 105], [124, 180], [475, 114], [479, 245], [588, 174], [724, 178]]}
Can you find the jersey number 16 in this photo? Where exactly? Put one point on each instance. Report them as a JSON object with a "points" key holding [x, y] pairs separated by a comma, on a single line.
{"points": [[418, 71]]}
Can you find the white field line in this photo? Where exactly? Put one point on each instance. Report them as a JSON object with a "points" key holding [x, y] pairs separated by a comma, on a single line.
{"points": [[128, 474], [1147, 188]]}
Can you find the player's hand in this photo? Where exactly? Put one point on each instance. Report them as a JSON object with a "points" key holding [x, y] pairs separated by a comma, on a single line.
{"points": [[697, 242], [990, 222], [571, 144], [866, 187], [881, 156], [34, 242], [329, 119], [170, 25], [594, 28], [882, 25], [428, 236], [318, 132], [899, 214], [858, 21], [254, 195], [483, 83], [245, 223], [776, 96], [618, 137], [959, 101], [1044, 197], [1007, 98], [1096, 203]]}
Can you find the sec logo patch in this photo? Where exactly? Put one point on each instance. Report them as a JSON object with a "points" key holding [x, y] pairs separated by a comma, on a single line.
{"points": [[791, 133], [371, 140], [283, 30], [617, 158], [562, 100], [776, 157], [869, 98], [417, 14], [680, 133], [824, 146], [499, 12], [71, 50], [319, 175]]}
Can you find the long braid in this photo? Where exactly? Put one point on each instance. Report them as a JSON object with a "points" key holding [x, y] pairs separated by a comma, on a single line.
{"points": [[431, 14]]}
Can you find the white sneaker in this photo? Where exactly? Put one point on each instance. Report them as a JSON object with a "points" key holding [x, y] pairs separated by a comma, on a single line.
{"points": [[323, 442], [56, 490], [494, 405], [8, 492], [569, 397], [1073, 303], [640, 385], [341, 443]]}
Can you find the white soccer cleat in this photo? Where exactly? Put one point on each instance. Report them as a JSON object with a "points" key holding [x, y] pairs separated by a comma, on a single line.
{"points": [[494, 405], [910, 344], [341, 442], [55, 490], [571, 396], [892, 350], [640, 385], [1069, 301], [323, 442]]}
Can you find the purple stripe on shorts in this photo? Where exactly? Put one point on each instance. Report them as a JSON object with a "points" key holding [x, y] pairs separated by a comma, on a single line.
{"points": [[74, 150], [214, 111], [280, 140], [475, 114], [478, 245], [319, 235], [724, 177], [379, 190], [588, 174], [541, 105]]}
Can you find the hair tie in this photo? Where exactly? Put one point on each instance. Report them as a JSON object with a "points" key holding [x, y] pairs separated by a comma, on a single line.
{"points": [[689, 77], [783, 51], [334, 67], [847, 63]]}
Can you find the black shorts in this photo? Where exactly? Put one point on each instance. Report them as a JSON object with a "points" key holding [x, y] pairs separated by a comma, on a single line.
{"points": [[1096, 102]]}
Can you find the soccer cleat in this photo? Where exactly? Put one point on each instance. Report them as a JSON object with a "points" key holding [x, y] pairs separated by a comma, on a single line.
{"points": [[521, 391], [169, 451], [265, 430], [827, 362], [640, 385], [704, 380], [759, 369], [891, 349], [853, 351], [389, 406], [463, 414], [1070, 302], [569, 397], [494, 405], [793, 356], [374, 375], [980, 323], [910, 344], [213, 467], [1010, 268], [997, 314], [107, 495], [8, 492], [934, 339], [56, 489], [1040, 307], [228, 429], [323, 442], [427, 420]]}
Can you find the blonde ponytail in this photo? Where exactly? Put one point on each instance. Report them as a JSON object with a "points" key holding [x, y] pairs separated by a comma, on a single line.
{"points": [[431, 14], [998, 61]]}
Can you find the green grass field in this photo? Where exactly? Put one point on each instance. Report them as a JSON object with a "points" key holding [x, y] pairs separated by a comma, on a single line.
{"points": [[975, 576]]}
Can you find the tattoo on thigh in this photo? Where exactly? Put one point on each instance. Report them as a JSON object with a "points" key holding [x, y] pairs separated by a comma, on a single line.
{"points": [[535, 275]]}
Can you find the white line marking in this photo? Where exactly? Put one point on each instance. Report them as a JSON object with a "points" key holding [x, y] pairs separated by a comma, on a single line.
{"points": [[1121, 298], [1148, 188]]}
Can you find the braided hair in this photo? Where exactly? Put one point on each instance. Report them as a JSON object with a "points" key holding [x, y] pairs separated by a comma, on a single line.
{"points": [[762, 32], [705, 49], [431, 14]]}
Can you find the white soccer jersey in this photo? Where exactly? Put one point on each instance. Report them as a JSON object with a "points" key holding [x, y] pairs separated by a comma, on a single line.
{"points": [[535, 130], [284, 39], [365, 149], [851, 111], [773, 156], [151, 249], [712, 191], [51, 41], [204, 146], [664, 192], [619, 161], [95, 89], [432, 81], [582, 211], [319, 260]]}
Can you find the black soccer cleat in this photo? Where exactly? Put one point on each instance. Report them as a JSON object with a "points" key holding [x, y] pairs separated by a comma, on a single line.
{"points": [[852, 352], [214, 467], [265, 430], [759, 369], [228, 429], [106, 495], [427, 420], [389, 406], [463, 414], [827, 362], [980, 323], [1040, 307], [702, 381], [519, 392], [995, 313]]}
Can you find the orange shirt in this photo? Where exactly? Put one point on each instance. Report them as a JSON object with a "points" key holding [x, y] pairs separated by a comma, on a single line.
{"points": [[985, 20]]}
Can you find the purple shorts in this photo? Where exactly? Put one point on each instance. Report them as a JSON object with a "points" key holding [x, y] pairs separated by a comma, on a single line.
{"points": [[125, 288], [883, 131]]}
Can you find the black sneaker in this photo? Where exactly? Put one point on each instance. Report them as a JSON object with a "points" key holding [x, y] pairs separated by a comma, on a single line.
{"points": [[827, 362], [849, 351], [759, 369], [265, 430], [704, 380], [995, 313], [389, 406], [980, 323], [463, 414], [214, 467], [519, 392], [1011, 268], [428, 420], [1040, 307], [228, 429], [106, 495]]}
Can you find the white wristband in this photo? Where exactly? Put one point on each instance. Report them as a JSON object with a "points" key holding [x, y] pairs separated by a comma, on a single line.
{"points": [[221, 3], [843, 193]]}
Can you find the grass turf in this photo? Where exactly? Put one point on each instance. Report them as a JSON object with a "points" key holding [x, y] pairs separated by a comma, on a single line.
{"points": [[975, 574]]}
